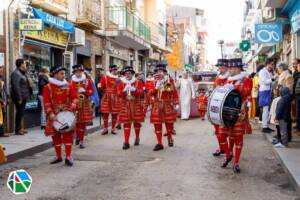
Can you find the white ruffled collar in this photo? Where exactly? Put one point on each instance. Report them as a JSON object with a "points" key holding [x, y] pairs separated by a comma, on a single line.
{"points": [[111, 75], [150, 79], [224, 76], [76, 79], [124, 80], [57, 82]]}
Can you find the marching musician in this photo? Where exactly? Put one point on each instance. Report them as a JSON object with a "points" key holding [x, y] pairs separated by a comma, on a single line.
{"points": [[84, 86], [220, 81], [130, 90], [164, 106], [59, 96], [110, 103], [239, 80]]}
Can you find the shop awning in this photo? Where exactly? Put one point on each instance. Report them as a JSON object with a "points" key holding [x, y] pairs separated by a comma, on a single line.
{"points": [[54, 21]]}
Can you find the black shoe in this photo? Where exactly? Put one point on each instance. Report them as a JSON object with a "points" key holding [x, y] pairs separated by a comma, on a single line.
{"points": [[113, 132], [43, 127], [218, 153], [174, 132], [266, 130], [166, 134], [226, 162], [171, 143], [77, 141], [56, 160], [119, 127], [269, 129], [126, 146], [158, 147], [137, 142], [19, 133], [69, 162], [105, 132], [275, 142], [81, 146], [236, 169]]}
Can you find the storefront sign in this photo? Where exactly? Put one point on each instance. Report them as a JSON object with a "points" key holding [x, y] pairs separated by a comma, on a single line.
{"points": [[51, 20], [49, 35], [2, 56], [294, 15], [31, 25], [268, 33]]}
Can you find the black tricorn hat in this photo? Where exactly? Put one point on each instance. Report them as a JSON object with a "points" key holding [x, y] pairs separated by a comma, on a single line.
{"points": [[77, 67], [127, 69], [113, 67], [236, 62], [55, 69], [162, 67], [222, 62]]}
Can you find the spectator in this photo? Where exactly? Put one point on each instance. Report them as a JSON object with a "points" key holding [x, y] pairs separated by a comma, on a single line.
{"points": [[265, 82], [43, 80], [296, 73], [283, 116], [20, 93], [285, 78], [297, 97], [99, 75], [3, 103], [273, 120]]}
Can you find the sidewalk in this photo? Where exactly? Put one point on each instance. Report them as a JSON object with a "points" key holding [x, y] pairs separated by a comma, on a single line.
{"points": [[289, 158], [35, 141]]}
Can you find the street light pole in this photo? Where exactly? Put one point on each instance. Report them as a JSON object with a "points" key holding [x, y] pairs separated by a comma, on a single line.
{"points": [[221, 43]]}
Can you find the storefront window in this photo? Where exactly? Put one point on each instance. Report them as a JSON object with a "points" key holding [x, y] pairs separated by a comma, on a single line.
{"points": [[37, 57]]}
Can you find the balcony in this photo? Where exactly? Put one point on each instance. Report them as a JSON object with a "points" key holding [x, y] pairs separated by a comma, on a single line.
{"points": [[89, 14], [158, 36], [127, 28], [53, 6], [274, 3]]}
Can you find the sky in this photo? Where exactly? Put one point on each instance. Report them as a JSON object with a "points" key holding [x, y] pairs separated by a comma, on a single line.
{"points": [[225, 20]]}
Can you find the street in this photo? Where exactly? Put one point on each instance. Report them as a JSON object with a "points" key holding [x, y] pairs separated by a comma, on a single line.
{"points": [[187, 171]]}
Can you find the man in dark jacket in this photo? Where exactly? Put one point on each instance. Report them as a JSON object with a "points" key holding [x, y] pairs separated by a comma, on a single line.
{"points": [[20, 93], [3, 103], [283, 115]]}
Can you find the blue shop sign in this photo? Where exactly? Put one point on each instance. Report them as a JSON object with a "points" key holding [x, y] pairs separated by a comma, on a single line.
{"points": [[54, 21], [294, 15], [268, 33]]}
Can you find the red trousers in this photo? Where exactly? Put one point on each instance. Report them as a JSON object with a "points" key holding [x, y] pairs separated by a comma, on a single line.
{"points": [[127, 130], [114, 119], [80, 131], [236, 141], [158, 131], [66, 139]]}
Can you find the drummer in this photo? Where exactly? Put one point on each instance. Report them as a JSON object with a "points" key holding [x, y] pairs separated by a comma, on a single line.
{"points": [[59, 97], [220, 81], [243, 84]]}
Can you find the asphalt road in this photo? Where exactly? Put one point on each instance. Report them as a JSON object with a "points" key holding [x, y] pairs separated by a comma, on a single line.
{"points": [[187, 171]]}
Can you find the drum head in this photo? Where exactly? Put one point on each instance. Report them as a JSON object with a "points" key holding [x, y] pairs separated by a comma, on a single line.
{"points": [[231, 108]]}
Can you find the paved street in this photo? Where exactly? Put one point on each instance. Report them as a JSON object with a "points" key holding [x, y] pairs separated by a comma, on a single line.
{"points": [[185, 172]]}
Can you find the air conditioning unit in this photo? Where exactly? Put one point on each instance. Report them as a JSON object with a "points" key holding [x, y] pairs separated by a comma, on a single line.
{"points": [[269, 14], [77, 38]]}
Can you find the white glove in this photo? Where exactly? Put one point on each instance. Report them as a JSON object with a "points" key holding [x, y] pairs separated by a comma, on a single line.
{"points": [[158, 85], [81, 90], [132, 89], [177, 107], [127, 88]]}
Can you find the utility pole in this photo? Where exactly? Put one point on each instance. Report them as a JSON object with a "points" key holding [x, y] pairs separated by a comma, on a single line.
{"points": [[221, 43]]}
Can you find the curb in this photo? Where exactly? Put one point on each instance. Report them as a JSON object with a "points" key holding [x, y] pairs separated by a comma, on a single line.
{"points": [[284, 166], [42, 147]]}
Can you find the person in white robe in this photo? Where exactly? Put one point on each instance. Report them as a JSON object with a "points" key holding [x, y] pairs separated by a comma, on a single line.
{"points": [[187, 93]]}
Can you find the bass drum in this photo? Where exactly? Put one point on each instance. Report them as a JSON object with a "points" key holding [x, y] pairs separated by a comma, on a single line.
{"points": [[64, 122], [224, 106]]}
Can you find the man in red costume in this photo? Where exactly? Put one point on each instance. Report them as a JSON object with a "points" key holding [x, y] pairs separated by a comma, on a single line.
{"points": [[84, 87], [220, 81], [202, 103], [59, 96], [131, 90], [164, 105], [239, 80], [110, 103]]}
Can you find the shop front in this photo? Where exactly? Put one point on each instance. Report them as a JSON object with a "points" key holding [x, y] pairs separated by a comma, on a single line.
{"points": [[42, 49], [118, 55]]}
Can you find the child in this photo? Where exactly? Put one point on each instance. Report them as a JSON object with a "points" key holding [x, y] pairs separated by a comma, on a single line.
{"points": [[274, 104], [202, 103], [283, 116]]}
